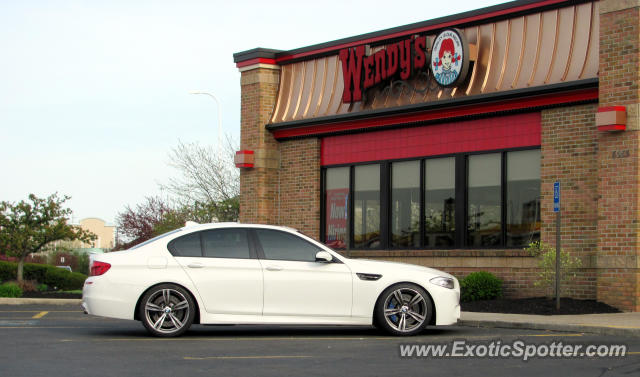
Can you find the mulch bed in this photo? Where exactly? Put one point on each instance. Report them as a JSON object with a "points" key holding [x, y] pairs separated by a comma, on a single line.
{"points": [[50, 295], [538, 305]]}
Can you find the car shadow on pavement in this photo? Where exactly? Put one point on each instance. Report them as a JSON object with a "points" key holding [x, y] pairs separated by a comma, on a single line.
{"points": [[259, 331]]}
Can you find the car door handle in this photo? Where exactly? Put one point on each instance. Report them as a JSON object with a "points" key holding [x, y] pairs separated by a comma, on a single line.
{"points": [[195, 265], [274, 268]]}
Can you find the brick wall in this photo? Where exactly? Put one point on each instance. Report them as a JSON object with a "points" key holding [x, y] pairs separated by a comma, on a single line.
{"points": [[569, 154], [618, 207], [300, 185], [258, 186], [284, 186]]}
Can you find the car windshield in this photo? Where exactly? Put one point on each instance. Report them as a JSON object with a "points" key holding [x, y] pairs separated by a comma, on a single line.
{"points": [[156, 238]]}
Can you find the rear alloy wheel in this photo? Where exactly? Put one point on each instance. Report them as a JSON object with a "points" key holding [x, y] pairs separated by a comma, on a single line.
{"points": [[167, 310], [404, 309]]}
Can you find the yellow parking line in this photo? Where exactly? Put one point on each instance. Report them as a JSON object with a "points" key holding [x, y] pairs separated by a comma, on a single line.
{"points": [[247, 357], [633, 353], [612, 326], [40, 315]]}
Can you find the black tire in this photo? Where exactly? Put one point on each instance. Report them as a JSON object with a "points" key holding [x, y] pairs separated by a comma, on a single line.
{"points": [[167, 310], [405, 318]]}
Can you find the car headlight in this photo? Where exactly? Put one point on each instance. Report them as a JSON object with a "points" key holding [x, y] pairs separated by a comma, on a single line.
{"points": [[443, 282]]}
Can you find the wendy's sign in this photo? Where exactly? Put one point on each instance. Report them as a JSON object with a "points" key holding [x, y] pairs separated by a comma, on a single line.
{"points": [[449, 58], [401, 60]]}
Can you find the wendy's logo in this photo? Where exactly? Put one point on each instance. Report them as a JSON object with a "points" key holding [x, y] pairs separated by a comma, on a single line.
{"points": [[449, 58]]}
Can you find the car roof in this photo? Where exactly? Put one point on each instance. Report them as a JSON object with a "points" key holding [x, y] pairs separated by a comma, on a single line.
{"points": [[194, 226]]}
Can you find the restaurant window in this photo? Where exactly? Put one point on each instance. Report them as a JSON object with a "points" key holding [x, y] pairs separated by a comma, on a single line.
{"points": [[366, 208], [336, 199], [405, 204], [469, 200], [439, 202], [484, 200], [523, 197]]}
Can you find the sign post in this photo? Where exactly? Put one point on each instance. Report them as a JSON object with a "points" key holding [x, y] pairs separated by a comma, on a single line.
{"points": [[556, 209]]}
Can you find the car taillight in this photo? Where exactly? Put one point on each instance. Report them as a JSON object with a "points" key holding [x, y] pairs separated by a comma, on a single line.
{"points": [[99, 268]]}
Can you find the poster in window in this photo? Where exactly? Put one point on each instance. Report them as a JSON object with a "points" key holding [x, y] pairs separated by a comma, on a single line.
{"points": [[337, 210]]}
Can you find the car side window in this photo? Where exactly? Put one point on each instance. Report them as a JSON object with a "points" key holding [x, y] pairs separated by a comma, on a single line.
{"points": [[226, 243], [186, 246], [279, 245]]}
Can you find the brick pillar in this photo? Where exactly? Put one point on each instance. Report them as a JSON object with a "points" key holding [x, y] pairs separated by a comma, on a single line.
{"points": [[570, 153], [259, 185], [618, 158]]}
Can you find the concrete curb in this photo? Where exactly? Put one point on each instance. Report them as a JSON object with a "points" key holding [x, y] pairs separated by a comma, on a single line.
{"points": [[590, 329], [39, 301]]}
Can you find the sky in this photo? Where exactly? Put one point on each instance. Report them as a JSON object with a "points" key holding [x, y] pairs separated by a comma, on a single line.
{"points": [[94, 94]]}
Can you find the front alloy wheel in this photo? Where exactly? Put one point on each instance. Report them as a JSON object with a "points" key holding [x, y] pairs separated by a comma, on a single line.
{"points": [[404, 309], [167, 310]]}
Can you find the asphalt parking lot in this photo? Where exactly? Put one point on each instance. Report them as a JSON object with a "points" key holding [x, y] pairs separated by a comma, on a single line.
{"points": [[48, 340]]}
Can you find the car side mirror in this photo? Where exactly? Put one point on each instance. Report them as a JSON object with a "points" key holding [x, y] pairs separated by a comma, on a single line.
{"points": [[324, 257]]}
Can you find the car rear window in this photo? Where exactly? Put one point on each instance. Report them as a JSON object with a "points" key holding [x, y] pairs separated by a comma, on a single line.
{"points": [[186, 246]]}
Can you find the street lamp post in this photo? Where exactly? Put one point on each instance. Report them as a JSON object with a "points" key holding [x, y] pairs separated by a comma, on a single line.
{"points": [[219, 112]]}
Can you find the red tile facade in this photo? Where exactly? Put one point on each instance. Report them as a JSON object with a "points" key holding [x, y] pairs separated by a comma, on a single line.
{"points": [[494, 133]]}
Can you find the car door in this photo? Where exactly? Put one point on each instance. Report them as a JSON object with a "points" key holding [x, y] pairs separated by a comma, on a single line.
{"points": [[295, 284], [223, 266]]}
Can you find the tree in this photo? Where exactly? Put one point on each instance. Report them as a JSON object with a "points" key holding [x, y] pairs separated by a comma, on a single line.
{"points": [[137, 224], [28, 226], [157, 216], [208, 182], [547, 263], [206, 190]]}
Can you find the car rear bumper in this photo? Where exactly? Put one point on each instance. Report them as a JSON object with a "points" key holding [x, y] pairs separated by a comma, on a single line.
{"points": [[107, 300]]}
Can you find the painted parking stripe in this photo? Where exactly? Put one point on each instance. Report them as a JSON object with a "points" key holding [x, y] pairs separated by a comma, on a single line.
{"points": [[247, 357], [14, 323], [40, 315]]}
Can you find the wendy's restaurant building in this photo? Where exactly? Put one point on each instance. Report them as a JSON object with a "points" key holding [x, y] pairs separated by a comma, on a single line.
{"points": [[439, 143]]}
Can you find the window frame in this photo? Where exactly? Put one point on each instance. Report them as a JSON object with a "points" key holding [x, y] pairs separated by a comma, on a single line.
{"points": [[461, 198]]}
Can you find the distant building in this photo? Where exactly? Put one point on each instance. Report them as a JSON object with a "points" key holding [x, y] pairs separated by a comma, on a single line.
{"points": [[105, 234]]}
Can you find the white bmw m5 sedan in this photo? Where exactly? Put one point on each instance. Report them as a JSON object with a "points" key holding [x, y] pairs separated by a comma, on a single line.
{"points": [[231, 273]]}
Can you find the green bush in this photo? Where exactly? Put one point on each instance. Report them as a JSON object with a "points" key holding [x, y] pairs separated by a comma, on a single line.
{"points": [[75, 281], [34, 271], [8, 270], [42, 287], [64, 280], [44, 274], [10, 290], [481, 285]]}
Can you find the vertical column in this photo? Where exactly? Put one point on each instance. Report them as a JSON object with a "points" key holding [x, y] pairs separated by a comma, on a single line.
{"points": [[618, 279], [570, 153], [259, 185]]}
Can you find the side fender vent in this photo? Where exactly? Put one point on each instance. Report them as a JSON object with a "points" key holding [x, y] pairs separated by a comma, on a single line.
{"points": [[364, 276]]}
